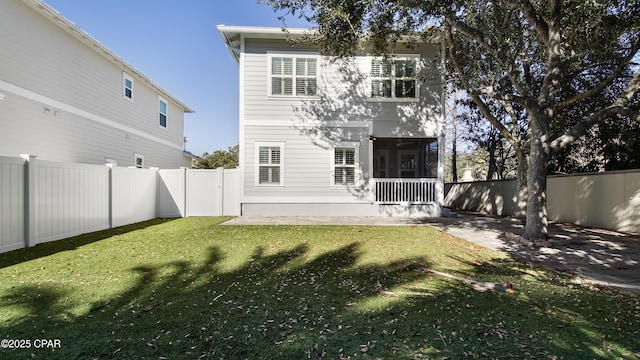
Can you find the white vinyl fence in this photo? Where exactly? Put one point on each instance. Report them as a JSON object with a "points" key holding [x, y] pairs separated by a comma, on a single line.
{"points": [[609, 200], [43, 201]]}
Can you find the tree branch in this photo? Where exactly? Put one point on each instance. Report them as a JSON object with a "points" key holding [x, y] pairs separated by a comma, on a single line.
{"points": [[614, 75], [490, 92], [617, 108], [541, 26], [500, 56], [475, 97]]}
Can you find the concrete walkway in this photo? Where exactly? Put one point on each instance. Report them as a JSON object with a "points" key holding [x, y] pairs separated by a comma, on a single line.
{"points": [[593, 255]]}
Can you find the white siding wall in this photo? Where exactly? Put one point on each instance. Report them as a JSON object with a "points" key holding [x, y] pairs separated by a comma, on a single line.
{"points": [[306, 165], [44, 67], [310, 128], [343, 96]]}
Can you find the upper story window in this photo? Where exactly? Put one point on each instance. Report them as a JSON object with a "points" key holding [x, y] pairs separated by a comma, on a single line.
{"points": [[162, 112], [394, 78], [138, 161], [293, 75], [127, 86]]}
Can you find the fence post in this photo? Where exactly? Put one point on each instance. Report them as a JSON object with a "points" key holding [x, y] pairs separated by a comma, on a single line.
{"points": [[110, 185], [157, 171], [220, 189], [29, 199], [185, 191]]}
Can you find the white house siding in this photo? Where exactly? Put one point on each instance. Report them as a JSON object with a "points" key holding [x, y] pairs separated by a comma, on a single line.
{"points": [[343, 97], [309, 128], [64, 136], [306, 167], [43, 64]]}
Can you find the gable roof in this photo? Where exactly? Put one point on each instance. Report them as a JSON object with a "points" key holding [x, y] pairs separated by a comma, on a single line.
{"points": [[65, 24], [232, 35]]}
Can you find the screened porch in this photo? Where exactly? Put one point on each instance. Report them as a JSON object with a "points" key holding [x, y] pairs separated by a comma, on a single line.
{"points": [[405, 170]]}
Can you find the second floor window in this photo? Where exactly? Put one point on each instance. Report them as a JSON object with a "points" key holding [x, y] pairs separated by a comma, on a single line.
{"points": [[394, 79], [127, 86], [293, 76], [162, 112]]}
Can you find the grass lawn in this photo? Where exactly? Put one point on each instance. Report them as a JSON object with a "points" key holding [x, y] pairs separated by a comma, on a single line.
{"points": [[193, 289]]}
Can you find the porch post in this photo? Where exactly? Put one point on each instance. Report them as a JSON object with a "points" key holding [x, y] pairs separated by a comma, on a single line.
{"points": [[371, 181]]}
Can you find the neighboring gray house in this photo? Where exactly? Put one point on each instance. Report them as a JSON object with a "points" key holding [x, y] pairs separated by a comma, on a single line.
{"points": [[319, 137], [65, 97]]}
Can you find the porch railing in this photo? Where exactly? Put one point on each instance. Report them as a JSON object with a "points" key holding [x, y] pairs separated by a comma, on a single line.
{"points": [[396, 190]]}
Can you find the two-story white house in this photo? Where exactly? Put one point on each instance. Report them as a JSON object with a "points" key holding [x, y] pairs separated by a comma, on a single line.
{"points": [[66, 97], [320, 137]]}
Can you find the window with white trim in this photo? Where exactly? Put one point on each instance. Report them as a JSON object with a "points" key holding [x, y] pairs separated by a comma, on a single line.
{"points": [[138, 161], [344, 165], [127, 86], [395, 78], [293, 75], [269, 164], [162, 112]]}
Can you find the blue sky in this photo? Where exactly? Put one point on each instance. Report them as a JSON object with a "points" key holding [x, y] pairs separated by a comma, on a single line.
{"points": [[176, 44]]}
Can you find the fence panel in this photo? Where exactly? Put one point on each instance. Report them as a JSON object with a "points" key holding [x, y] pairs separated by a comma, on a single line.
{"points": [[69, 199], [204, 192], [608, 200], [12, 210], [133, 195], [231, 193], [171, 193], [42, 201]]}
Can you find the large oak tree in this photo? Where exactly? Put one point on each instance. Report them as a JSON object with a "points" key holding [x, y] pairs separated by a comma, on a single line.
{"points": [[546, 57]]}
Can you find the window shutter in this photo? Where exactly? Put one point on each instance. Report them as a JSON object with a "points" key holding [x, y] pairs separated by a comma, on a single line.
{"points": [[350, 175], [349, 156], [275, 155], [264, 155]]}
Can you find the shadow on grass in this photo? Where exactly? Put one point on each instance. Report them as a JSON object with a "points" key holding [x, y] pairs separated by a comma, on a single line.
{"points": [[290, 305], [49, 248]]}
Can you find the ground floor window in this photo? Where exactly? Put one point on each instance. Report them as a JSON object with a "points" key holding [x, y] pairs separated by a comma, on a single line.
{"points": [[344, 165], [269, 162]]}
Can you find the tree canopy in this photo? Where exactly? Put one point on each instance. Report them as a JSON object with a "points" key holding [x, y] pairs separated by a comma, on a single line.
{"points": [[227, 159], [545, 59]]}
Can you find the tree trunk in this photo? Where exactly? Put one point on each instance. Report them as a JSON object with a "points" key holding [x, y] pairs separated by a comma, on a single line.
{"points": [[493, 145], [454, 152], [536, 226], [521, 177]]}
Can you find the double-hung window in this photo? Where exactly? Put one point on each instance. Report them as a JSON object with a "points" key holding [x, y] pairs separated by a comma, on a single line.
{"points": [[127, 86], [138, 160], [162, 112], [394, 78], [344, 165], [269, 158], [293, 75]]}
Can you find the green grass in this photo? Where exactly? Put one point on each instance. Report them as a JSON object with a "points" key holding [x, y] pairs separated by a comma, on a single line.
{"points": [[191, 288]]}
